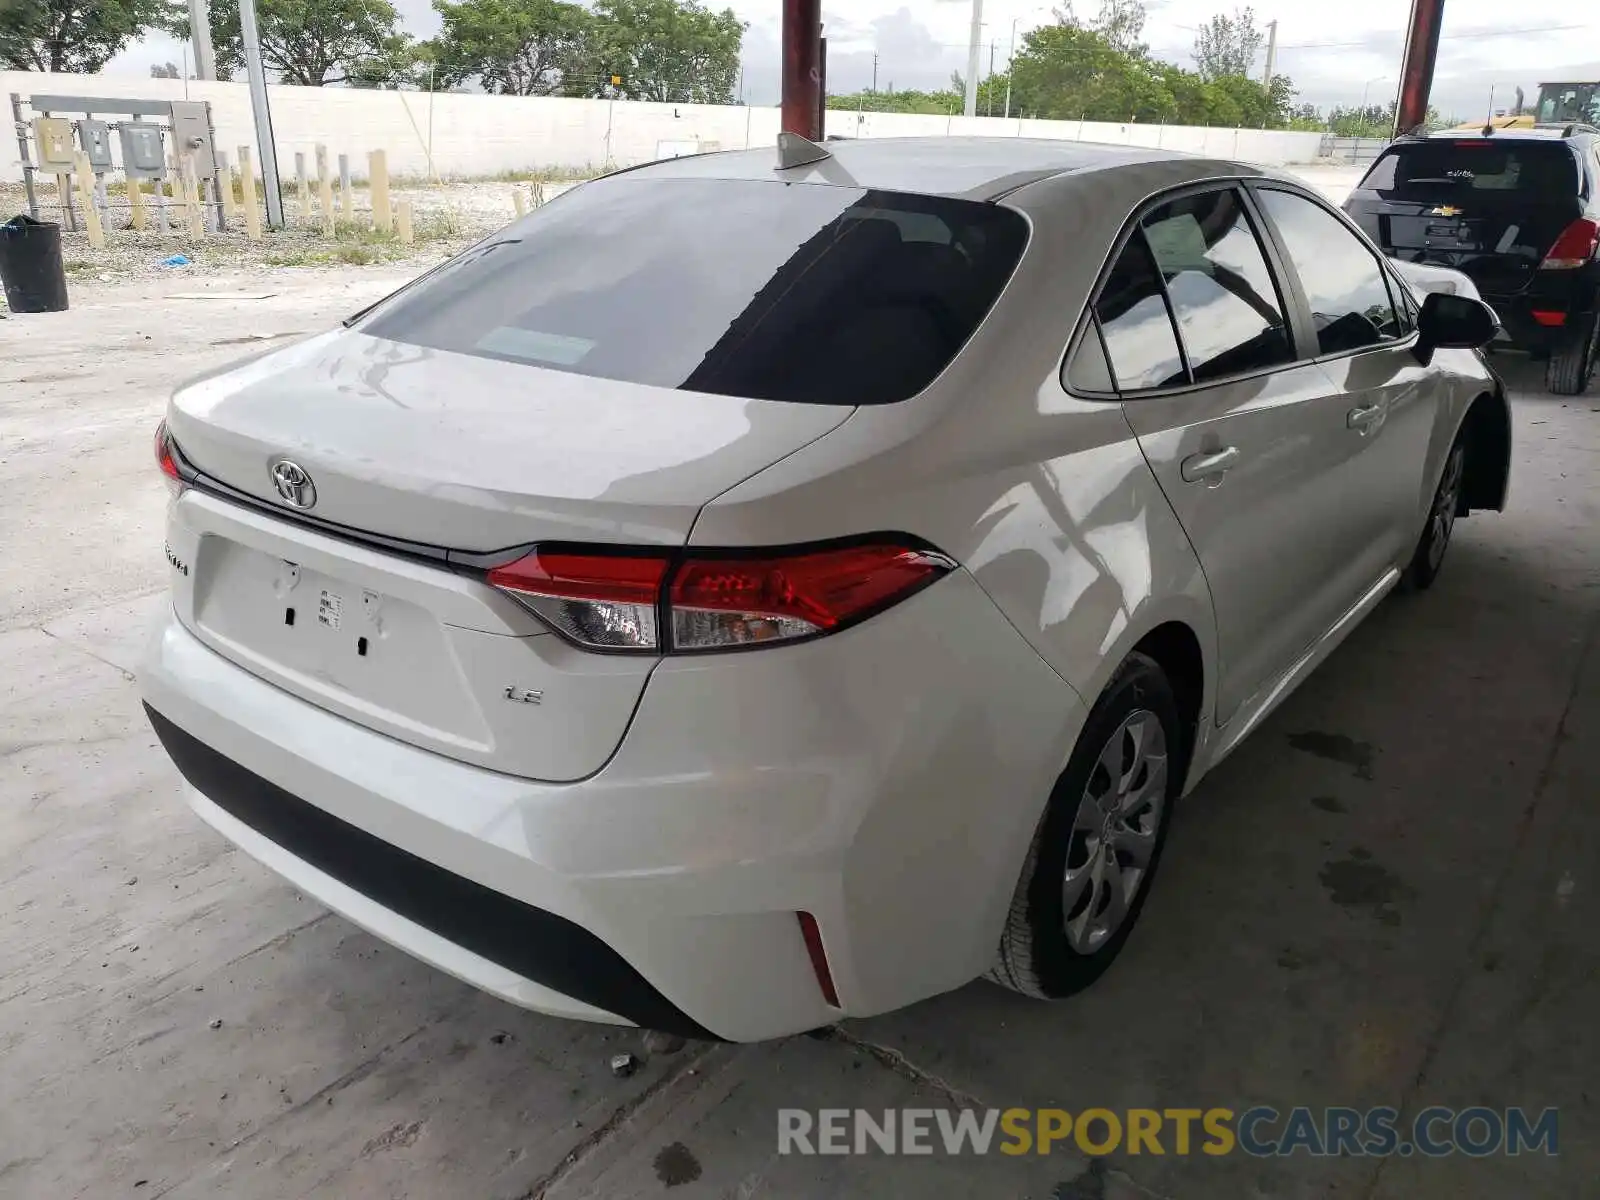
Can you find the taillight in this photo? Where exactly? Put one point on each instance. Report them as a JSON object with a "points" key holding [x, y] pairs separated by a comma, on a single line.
{"points": [[1574, 248], [715, 601], [602, 601], [166, 461], [721, 602]]}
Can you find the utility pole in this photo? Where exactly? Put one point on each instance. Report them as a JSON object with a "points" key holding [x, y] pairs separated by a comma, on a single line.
{"points": [[1011, 62], [990, 110], [974, 48], [263, 115], [1272, 51], [205, 59], [874, 70]]}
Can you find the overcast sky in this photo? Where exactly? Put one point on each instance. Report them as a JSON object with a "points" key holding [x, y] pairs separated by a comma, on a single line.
{"points": [[918, 43]]}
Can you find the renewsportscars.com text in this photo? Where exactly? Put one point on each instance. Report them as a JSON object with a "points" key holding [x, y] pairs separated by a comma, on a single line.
{"points": [[1434, 1132]]}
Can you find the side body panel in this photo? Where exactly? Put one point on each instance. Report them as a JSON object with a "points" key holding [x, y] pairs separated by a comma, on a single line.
{"points": [[1046, 498], [1285, 535]]}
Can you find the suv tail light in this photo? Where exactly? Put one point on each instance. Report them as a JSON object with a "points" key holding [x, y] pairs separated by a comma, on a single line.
{"points": [[1574, 248], [166, 461], [652, 603]]}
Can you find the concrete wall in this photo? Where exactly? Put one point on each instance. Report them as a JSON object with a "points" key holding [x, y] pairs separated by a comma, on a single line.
{"points": [[483, 135]]}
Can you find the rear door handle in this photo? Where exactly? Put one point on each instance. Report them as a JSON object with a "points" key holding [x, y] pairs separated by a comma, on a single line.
{"points": [[1201, 468], [1363, 418]]}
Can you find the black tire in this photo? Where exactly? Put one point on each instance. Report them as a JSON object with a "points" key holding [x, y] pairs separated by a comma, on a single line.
{"points": [[1428, 557], [1571, 368], [1037, 956]]}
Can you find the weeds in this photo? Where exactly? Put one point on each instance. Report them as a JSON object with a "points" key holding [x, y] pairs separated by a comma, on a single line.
{"points": [[521, 175]]}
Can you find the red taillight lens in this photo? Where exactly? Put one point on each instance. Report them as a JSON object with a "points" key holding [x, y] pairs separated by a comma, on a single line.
{"points": [[1574, 248], [714, 602], [168, 462], [164, 459], [719, 602], [602, 601]]}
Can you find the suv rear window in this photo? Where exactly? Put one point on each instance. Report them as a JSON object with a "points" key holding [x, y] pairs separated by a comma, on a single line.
{"points": [[771, 290], [1474, 165]]}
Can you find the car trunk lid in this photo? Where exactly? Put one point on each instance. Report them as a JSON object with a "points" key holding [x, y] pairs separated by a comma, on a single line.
{"points": [[426, 452], [476, 454]]}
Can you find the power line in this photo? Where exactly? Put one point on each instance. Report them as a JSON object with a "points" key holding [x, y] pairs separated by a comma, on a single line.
{"points": [[1445, 37]]}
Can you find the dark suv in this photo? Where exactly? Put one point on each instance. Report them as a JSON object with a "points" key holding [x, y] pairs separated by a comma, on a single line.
{"points": [[1519, 212]]}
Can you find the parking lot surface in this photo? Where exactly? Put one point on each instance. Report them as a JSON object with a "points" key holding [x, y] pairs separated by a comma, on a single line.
{"points": [[1387, 896]]}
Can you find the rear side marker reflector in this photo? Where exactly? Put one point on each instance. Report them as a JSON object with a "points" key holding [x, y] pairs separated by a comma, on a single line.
{"points": [[1574, 248], [1549, 318], [819, 958], [648, 602]]}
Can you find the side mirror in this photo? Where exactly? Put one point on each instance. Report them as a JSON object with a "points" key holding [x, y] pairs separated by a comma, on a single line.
{"points": [[1450, 322]]}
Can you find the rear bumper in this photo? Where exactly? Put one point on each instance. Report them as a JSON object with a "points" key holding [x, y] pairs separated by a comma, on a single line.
{"points": [[1563, 299], [886, 780]]}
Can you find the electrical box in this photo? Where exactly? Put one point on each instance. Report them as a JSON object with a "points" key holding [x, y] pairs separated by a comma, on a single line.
{"points": [[95, 138], [191, 134], [52, 136], [142, 157]]}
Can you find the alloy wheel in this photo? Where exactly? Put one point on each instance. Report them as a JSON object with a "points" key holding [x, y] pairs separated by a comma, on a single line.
{"points": [[1114, 832], [1443, 519]]}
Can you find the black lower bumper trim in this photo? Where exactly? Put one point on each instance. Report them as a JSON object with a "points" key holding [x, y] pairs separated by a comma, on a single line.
{"points": [[537, 945]]}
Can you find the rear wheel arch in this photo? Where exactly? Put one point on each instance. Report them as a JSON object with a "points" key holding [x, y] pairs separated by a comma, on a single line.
{"points": [[1176, 649]]}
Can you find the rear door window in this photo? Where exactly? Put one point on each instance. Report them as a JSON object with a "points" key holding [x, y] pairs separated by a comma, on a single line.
{"points": [[1346, 288], [769, 290], [1438, 169], [1226, 303]]}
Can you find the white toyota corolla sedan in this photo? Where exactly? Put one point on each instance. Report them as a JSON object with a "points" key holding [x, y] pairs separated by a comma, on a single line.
{"points": [[760, 589]]}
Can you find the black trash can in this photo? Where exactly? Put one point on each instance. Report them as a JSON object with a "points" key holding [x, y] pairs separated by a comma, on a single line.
{"points": [[31, 269]]}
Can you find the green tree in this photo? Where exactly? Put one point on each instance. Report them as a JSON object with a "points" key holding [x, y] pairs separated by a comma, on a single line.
{"points": [[1070, 71], [1119, 22], [1373, 120], [673, 51], [78, 36], [399, 63], [931, 103], [513, 47], [308, 42], [1227, 45]]}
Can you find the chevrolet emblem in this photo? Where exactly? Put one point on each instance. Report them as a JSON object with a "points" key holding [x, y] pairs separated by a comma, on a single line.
{"points": [[1444, 210]]}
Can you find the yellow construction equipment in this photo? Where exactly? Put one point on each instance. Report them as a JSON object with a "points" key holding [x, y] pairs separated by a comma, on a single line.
{"points": [[1558, 104]]}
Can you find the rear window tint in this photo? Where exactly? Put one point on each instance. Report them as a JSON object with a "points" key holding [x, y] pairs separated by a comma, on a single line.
{"points": [[1474, 165], [771, 290]]}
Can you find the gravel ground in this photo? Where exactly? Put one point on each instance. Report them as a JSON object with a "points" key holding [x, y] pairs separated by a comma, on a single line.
{"points": [[446, 217]]}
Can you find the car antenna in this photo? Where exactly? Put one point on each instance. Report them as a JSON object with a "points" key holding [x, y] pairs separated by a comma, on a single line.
{"points": [[796, 151]]}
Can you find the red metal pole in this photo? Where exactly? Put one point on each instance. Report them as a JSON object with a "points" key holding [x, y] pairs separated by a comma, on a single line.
{"points": [[802, 67], [822, 89], [1416, 70]]}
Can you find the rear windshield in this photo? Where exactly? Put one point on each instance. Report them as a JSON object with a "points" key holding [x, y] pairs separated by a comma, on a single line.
{"points": [[1475, 165], [771, 290]]}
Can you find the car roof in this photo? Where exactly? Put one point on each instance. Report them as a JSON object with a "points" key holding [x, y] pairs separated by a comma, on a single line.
{"points": [[974, 168], [1538, 133]]}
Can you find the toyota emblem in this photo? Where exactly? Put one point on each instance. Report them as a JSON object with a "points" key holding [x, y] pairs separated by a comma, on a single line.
{"points": [[293, 484]]}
